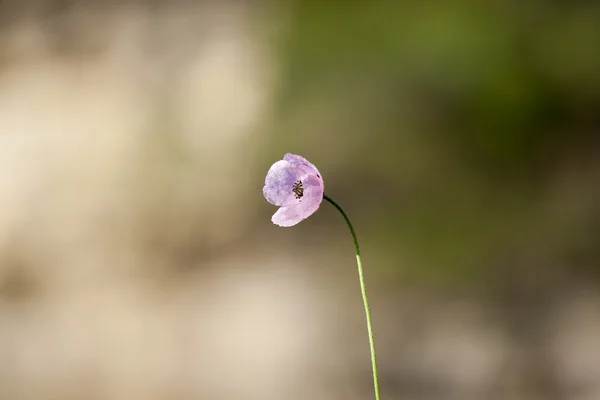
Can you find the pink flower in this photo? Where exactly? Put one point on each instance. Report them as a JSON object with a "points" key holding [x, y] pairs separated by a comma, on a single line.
{"points": [[296, 186]]}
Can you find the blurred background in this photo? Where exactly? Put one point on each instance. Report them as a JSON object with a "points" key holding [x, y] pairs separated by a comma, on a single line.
{"points": [[137, 255]]}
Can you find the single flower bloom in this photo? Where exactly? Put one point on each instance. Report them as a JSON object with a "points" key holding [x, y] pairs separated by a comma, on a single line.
{"points": [[296, 186]]}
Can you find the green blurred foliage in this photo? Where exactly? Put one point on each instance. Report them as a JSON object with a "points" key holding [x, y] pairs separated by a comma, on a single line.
{"points": [[463, 133]]}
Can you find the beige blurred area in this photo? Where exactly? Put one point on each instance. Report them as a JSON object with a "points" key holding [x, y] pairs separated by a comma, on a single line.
{"points": [[126, 145], [137, 256]]}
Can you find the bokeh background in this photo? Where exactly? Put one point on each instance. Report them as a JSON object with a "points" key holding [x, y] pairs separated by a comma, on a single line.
{"points": [[137, 256]]}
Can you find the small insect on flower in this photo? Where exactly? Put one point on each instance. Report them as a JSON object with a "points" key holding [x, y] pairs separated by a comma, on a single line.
{"points": [[296, 186]]}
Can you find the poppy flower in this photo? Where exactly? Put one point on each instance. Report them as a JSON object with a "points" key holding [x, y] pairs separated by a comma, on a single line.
{"points": [[296, 186]]}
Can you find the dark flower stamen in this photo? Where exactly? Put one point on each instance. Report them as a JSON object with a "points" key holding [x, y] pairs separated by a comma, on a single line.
{"points": [[298, 189]]}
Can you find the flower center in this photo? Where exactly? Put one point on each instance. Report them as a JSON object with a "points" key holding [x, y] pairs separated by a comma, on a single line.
{"points": [[298, 189]]}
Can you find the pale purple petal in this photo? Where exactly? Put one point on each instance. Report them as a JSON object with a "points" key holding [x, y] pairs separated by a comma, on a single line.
{"points": [[313, 187], [279, 181], [289, 216], [310, 202], [302, 163]]}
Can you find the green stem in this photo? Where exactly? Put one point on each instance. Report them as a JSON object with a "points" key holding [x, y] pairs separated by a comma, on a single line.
{"points": [[364, 296]]}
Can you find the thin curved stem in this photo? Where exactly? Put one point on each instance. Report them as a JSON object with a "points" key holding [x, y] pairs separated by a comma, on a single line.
{"points": [[364, 296]]}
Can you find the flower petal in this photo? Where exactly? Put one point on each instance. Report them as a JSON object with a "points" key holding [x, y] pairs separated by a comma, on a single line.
{"points": [[302, 163], [286, 216], [310, 202], [289, 216], [279, 181]]}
